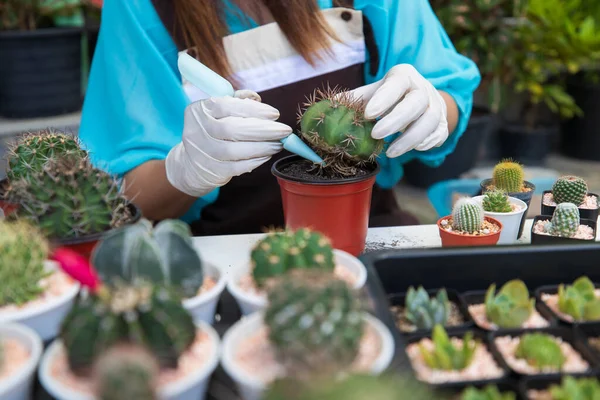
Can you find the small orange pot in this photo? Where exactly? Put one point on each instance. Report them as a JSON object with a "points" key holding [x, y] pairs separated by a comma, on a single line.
{"points": [[452, 239]]}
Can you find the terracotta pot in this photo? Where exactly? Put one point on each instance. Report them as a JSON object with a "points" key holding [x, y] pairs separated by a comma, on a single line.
{"points": [[453, 239], [338, 209]]}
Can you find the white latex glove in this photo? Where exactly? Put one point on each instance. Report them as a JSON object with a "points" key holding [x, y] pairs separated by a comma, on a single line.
{"points": [[223, 137], [410, 104]]}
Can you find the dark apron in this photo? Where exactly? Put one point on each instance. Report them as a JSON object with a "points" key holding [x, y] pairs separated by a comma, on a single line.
{"points": [[250, 203]]}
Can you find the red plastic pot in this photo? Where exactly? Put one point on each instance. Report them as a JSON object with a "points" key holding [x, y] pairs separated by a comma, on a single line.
{"points": [[338, 209], [453, 239]]}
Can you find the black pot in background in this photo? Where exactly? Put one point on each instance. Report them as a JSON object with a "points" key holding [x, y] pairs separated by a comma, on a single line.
{"points": [[462, 159], [580, 137], [523, 196], [40, 72], [530, 147], [547, 239], [583, 212]]}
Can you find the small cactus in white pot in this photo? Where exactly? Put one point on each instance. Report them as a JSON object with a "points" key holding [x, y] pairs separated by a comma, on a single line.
{"points": [[508, 210], [468, 225]]}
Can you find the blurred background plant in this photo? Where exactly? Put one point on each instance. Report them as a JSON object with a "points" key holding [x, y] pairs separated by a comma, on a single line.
{"points": [[38, 14]]}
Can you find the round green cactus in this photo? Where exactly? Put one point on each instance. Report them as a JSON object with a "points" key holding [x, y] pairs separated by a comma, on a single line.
{"points": [[540, 350], [511, 307], [281, 252], [70, 198], [579, 300], [569, 189], [496, 201], [576, 388], [508, 175], [424, 312], [334, 125], [467, 215], [565, 220], [32, 151], [23, 250], [445, 355], [315, 322]]}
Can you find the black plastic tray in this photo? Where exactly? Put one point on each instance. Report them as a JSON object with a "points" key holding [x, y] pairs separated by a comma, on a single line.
{"points": [[547, 239], [584, 213], [553, 289]]}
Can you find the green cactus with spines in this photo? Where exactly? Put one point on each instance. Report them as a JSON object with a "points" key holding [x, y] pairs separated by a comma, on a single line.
{"points": [[161, 254], [424, 312], [572, 388], [579, 300], [33, 150], [126, 372], [511, 306], [540, 350], [496, 201], [509, 176], [23, 250], [147, 315], [280, 252], [333, 123], [315, 322], [467, 215], [569, 189], [565, 221], [70, 198], [447, 356], [488, 392]]}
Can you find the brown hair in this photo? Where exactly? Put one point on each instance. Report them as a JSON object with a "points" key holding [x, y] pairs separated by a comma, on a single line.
{"points": [[200, 24]]}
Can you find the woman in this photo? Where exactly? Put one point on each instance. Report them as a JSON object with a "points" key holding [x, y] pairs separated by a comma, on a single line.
{"points": [[208, 160]]}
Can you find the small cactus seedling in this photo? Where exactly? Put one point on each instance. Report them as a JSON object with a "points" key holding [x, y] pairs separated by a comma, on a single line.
{"points": [[23, 250], [335, 126], [424, 312], [565, 221], [489, 392], [572, 388], [32, 151], [164, 254], [281, 252], [511, 307], [540, 350], [508, 175], [126, 372], [315, 323], [147, 315], [569, 189], [467, 215], [445, 355], [70, 198], [496, 201], [579, 300]]}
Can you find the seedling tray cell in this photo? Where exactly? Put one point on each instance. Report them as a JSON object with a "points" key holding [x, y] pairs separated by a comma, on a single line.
{"points": [[537, 239], [553, 289], [542, 383], [583, 212]]}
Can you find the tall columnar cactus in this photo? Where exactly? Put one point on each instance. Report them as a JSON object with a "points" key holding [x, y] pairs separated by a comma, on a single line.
{"points": [[508, 175], [565, 220], [32, 151], [424, 312], [540, 350], [144, 315], [23, 250], [467, 215], [164, 254], [445, 355], [315, 323], [576, 388], [126, 373], [335, 126], [511, 307], [579, 300], [489, 392], [569, 189], [496, 201], [70, 198], [281, 252]]}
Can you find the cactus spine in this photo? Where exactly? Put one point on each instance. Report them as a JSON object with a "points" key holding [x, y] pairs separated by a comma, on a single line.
{"points": [[425, 313], [467, 215], [23, 250], [496, 201], [511, 307], [579, 300], [569, 189], [281, 252], [540, 350], [565, 220], [164, 254], [334, 124], [508, 175]]}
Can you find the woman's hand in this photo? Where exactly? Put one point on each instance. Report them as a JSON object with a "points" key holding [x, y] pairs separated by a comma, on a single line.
{"points": [[409, 104], [223, 137]]}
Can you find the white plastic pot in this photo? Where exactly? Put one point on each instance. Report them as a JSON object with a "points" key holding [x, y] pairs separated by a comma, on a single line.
{"points": [[251, 387], [203, 307], [510, 221], [44, 318], [193, 386], [19, 385], [251, 302]]}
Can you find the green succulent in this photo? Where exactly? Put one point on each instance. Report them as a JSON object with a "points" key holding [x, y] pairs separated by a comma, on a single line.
{"points": [[511, 307], [447, 356], [565, 220], [569, 189], [576, 389], [496, 201], [489, 392], [579, 300], [540, 350], [424, 312]]}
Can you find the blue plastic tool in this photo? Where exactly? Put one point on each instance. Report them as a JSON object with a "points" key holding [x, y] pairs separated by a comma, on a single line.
{"points": [[215, 85]]}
